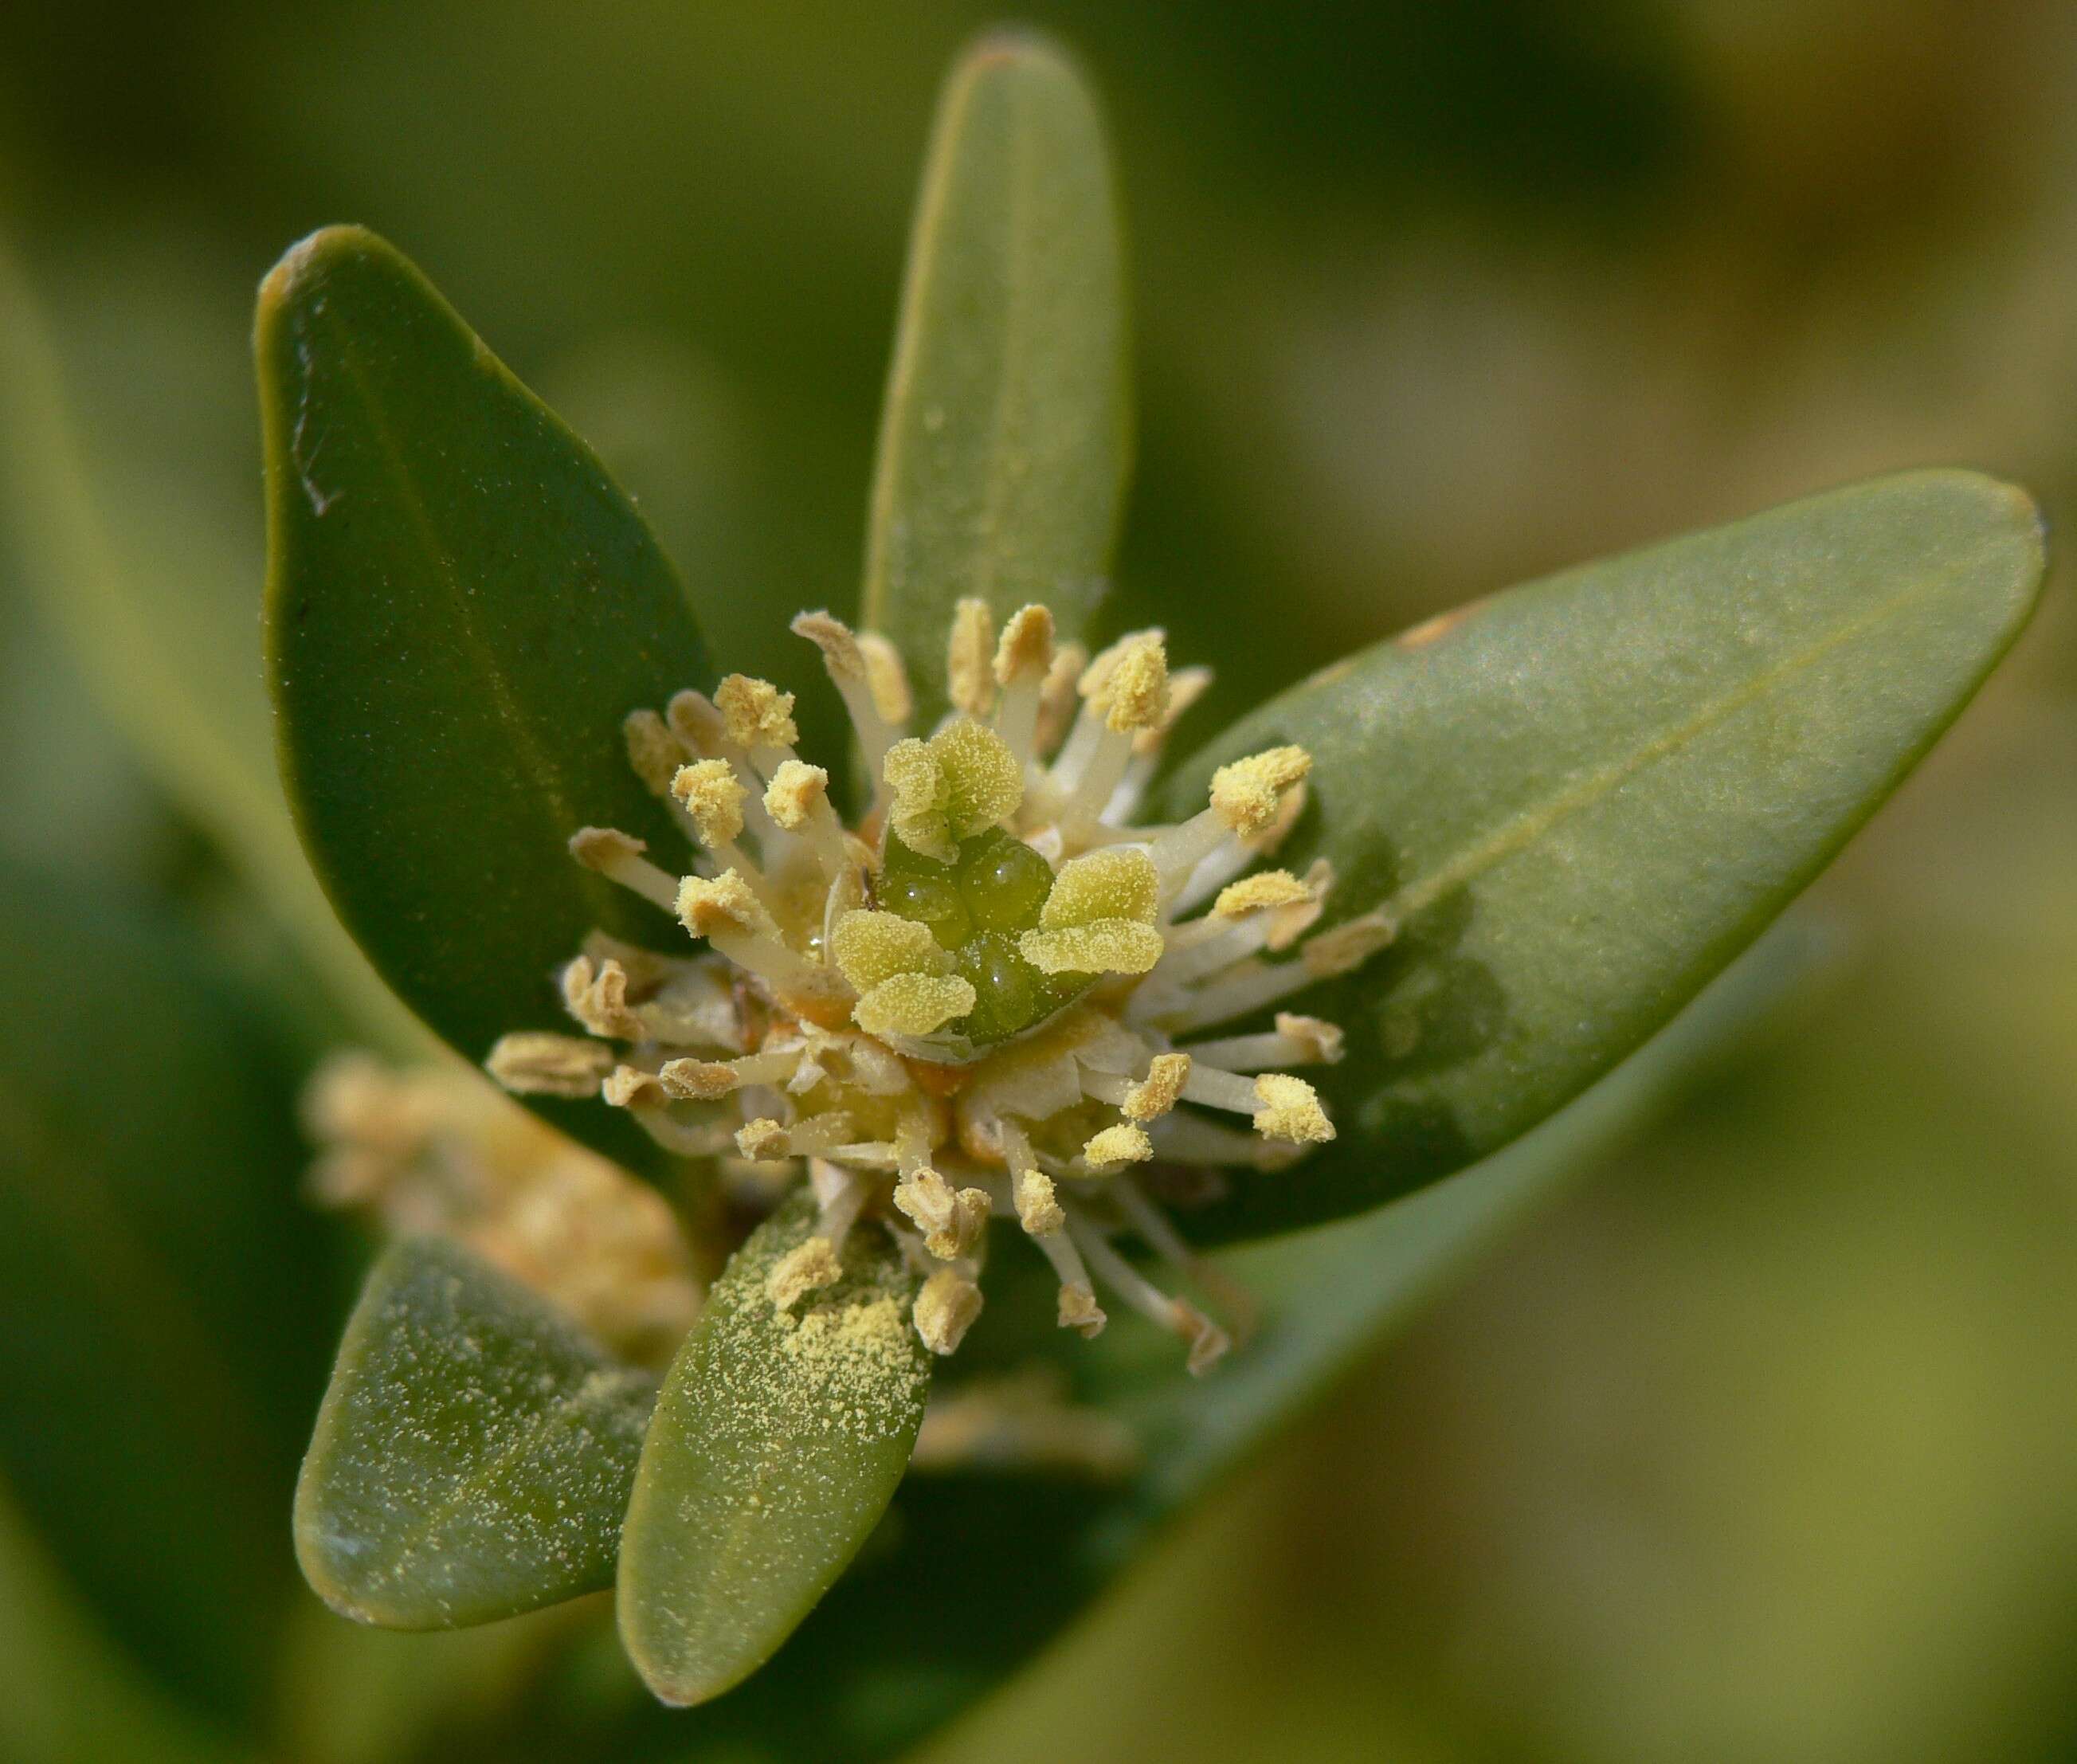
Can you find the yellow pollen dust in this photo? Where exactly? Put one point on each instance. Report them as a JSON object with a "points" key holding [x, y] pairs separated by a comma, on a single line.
{"points": [[755, 713], [1246, 794], [809, 1266], [1039, 1208], [714, 796], [723, 904], [1094, 683], [762, 1140], [696, 1081], [1291, 1110]]}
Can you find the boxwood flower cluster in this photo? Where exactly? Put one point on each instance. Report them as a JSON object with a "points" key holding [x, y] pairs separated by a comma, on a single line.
{"points": [[996, 995]]}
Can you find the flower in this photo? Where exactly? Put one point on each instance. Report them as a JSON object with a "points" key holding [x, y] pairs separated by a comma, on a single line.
{"points": [[994, 995]]}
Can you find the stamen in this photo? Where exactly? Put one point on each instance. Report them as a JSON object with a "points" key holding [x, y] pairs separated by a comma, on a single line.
{"points": [[759, 718], [1190, 1139], [963, 779], [1039, 1210], [1298, 1041], [763, 1141], [1155, 1094], [534, 1063], [1115, 1148], [844, 659], [888, 675], [618, 857], [798, 801], [728, 915], [952, 1221], [1207, 1341], [1058, 700], [1164, 1241], [596, 996], [705, 1080], [1291, 1110], [969, 679], [946, 1309], [1133, 695], [653, 751], [1021, 660]]}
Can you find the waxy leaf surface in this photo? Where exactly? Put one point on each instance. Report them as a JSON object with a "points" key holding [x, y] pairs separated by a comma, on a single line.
{"points": [[473, 1457], [461, 609], [1578, 800], [774, 1448], [1007, 437]]}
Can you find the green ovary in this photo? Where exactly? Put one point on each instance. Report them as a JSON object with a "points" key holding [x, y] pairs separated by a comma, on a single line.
{"points": [[976, 907]]}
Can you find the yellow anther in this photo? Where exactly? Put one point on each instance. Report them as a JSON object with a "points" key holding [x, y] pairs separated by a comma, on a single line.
{"points": [[1245, 795], [714, 796], [536, 1063], [1318, 1040], [946, 1309], [807, 1268], [841, 653], [1135, 695], [696, 1081], [1291, 1110], [596, 994], [1154, 1095], [921, 795], [1105, 947], [1056, 697], [871, 948], [971, 685], [886, 677], [762, 1140], [795, 790], [721, 904], [605, 848], [1259, 893], [913, 1005], [1039, 1208], [952, 1221], [1080, 1312], [1115, 1148], [1026, 647], [755, 713], [652, 750], [1095, 682]]}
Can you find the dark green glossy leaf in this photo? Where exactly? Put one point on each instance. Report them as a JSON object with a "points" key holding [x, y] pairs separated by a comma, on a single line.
{"points": [[473, 1455], [1579, 799], [775, 1446], [1006, 438], [461, 608], [162, 1329]]}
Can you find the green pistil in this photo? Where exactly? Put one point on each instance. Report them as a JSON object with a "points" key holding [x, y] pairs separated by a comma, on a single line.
{"points": [[976, 907]]}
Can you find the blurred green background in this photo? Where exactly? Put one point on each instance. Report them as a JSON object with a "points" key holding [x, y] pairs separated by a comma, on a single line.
{"points": [[1763, 1444]]}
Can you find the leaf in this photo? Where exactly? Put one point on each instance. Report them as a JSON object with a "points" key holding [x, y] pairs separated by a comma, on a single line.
{"points": [[161, 1330], [125, 501], [1005, 440], [473, 1455], [774, 1448], [461, 609], [980, 1570], [1577, 800]]}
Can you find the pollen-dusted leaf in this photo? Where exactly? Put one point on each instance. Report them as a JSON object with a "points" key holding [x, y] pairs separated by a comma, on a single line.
{"points": [[461, 609], [1579, 800], [1007, 437], [775, 1446], [473, 1457]]}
